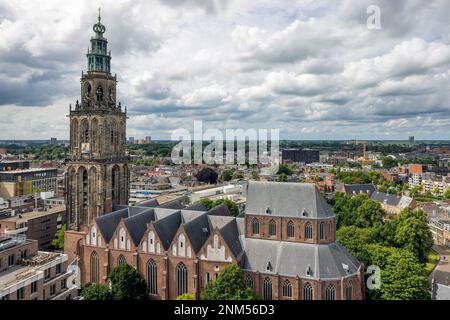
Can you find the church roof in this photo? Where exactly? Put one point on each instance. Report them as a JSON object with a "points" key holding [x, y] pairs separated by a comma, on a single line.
{"points": [[286, 199], [325, 261], [109, 222]]}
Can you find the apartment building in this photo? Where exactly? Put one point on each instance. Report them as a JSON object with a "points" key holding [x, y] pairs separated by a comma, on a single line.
{"points": [[40, 225], [437, 185], [29, 274]]}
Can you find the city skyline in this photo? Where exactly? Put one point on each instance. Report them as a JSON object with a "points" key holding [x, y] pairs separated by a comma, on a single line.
{"points": [[312, 67]]}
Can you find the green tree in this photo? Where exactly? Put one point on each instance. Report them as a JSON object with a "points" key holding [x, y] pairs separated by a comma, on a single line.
{"points": [[186, 296], [127, 283], [227, 175], [413, 233], [355, 239], [207, 175], [369, 214], [402, 278], [282, 178], [345, 207], [389, 162], [229, 285], [284, 169], [447, 194], [255, 176], [208, 203], [237, 175], [58, 241], [96, 292], [232, 206]]}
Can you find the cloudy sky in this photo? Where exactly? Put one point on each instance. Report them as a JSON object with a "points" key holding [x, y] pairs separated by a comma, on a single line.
{"points": [[311, 68]]}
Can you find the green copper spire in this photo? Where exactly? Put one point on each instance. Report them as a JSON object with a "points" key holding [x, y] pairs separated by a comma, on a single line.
{"points": [[99, 59]]}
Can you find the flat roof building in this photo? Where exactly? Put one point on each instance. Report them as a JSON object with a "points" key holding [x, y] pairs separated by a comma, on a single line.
{"points": [[29, 274], [39, 225]]}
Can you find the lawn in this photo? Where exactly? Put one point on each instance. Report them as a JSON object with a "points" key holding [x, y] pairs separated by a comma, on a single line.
{"points": [[433, 259]]}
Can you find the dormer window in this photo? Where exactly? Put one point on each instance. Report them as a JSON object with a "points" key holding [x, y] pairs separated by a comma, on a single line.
{"points": [[269, 266], [308, 271], [268, 211]]}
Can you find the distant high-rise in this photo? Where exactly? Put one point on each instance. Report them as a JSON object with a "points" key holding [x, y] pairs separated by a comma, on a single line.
{"points": [[411, 140], [300, 155], [148, 139]]}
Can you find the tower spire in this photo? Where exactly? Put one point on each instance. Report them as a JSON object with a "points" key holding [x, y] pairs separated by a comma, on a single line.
{"points": [[99, 16]]}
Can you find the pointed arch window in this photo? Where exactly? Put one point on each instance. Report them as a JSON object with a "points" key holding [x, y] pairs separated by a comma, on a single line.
{"points": [[272, 228], [307, 291], [95, 266], [287, 289], [248, 280], [255, 226], [182, 279], [290, 229], [321, 230], [121, 260], [152, 276], [267, 289], [308, 231], [330, 292], [349, 291]]}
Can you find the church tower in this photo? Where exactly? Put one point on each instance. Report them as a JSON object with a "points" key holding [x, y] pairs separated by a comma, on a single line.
{"points": [[97, 172]]}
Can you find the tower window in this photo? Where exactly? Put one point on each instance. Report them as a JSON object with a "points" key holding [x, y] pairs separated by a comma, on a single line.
{"points": [[99, 93]]}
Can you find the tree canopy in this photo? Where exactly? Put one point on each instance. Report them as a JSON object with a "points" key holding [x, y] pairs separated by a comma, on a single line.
{"points": [[284, 169], [389, 162], [232, 206], [127, 283], [229, 285], [96, 292], [58, 241], [207, 175], [227, 175]]}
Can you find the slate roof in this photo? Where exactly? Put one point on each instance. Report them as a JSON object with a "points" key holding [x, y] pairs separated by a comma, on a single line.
{"points": [[230, 232], [286, 199], [389, 199], [198, 231], [137, 224], [197, 207], [440, 292], [325, 261], [352, 189], [174, 204], [167, 227], [149, 203], [108, 222]]}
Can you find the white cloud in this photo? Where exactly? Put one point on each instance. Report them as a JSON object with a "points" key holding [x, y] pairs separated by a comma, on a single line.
{"points": [[310, 68]]}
